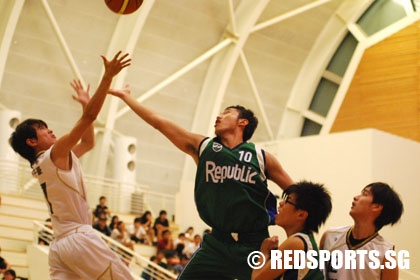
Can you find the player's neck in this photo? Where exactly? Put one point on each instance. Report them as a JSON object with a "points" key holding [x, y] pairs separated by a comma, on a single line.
{"points": [[363, 230], [293, 228], [231, 140]]}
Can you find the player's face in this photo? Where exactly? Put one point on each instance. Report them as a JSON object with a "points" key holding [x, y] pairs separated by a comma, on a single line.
{"points": [[286, 210], [226, 121], [362, 203], [46, 137]]}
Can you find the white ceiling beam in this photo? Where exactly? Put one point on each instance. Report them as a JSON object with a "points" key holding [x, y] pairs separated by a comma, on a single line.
{"points": [[232, 20], [62, 40], [11, 13], [127, 24], [256, 95], [289, 14], [220, 46]]}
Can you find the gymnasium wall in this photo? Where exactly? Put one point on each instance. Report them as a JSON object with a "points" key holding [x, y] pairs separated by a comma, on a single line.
{"points": [[385, 91]]}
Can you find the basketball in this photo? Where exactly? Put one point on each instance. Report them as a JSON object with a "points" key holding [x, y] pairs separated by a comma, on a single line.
{"points": [[123, 7]]}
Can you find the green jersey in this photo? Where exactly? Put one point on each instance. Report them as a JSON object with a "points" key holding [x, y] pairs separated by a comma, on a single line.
{"points": [[231, 187]]}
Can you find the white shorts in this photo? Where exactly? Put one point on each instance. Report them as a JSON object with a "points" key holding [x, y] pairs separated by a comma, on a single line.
{"points": [[82, 254]]}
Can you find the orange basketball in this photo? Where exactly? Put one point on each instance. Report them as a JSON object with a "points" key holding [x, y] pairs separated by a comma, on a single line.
{"points": [[123, 7]]}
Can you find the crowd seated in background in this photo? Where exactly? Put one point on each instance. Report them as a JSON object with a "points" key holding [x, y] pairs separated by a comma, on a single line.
{"points": [[171, 254], [101, 225]]}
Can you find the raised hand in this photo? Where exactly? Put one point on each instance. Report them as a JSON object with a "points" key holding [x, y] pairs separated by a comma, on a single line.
{"points": [[114, 66], [82, 96], [269, 244], [121, 92]]}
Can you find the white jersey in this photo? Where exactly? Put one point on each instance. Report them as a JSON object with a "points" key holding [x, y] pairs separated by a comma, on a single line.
{"points": [[65, 193], [338, 239]]}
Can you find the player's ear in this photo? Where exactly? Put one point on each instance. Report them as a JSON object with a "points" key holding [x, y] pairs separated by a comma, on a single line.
{"points": [[303, 214], [243, 122], [376, 207], [31, 142]]}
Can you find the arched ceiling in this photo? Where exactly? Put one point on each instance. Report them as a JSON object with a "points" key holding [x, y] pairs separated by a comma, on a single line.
{"points": [[191, 58]]}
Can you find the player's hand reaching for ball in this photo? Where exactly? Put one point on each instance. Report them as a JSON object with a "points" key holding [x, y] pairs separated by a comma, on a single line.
{"points": [[82, 95], [121, 93], [114, 66]]}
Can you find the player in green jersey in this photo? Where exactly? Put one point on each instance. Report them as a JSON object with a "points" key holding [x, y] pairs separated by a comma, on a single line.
{"points": [[231, 191]]}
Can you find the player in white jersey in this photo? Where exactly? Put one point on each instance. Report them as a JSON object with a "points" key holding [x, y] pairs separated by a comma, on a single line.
{"points": [[77, 252], [377, 205]]}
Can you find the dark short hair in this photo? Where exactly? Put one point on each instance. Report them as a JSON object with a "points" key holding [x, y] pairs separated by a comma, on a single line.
{"points": [[392, 206], [313, 198], [11, 272], [23, 131], [252, 121], [162, 212]]}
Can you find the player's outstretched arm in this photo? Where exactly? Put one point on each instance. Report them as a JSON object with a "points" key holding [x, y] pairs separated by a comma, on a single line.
{"points": [[87, 141], [276, 173], [63, 146], [184, 140]]}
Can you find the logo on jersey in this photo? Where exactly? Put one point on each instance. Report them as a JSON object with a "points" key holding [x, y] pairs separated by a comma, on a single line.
{"points": [[217, 174], [217, 147]]}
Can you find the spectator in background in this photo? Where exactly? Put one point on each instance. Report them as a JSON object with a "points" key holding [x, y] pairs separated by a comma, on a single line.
{"points": [[101, 225], [9, 274], [137, 232], [101, 208], [178, 268], [191, 247], [206, 231], [146, 222], [114, 222], [161, 224], [180, 244], [189, 235], [121, 235], [166, 243], [4, 265]]}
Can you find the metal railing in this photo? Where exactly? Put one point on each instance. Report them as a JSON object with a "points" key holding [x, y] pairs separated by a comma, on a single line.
{"points": [[138, 264]]}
